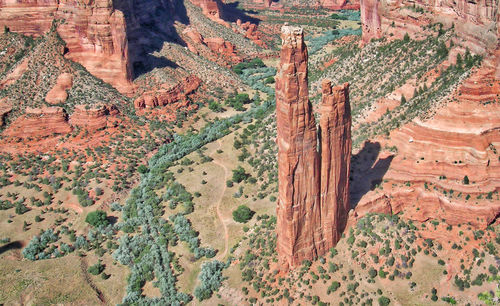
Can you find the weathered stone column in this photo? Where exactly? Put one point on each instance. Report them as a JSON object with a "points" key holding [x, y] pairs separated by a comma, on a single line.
{"points": [[336, 144], [298, 211]]}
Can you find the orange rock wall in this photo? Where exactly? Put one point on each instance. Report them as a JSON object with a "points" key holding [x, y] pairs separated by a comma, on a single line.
{"points": [[95, 33], [39, 122], [93, 118], [164, 96], [475, 22]]}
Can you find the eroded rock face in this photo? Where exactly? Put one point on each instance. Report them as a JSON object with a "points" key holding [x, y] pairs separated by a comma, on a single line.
{"points": [[58, 94], [95, 33], [370, 20], [298, 207], [93, 118], [311, 200], [39, 122], [336, 146], [426, 178], [164, 96], [211, 9]]}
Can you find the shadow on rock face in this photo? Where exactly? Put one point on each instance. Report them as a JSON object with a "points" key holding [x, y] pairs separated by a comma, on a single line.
{"points": [[366, 171], [231, 13], [149, 24]]}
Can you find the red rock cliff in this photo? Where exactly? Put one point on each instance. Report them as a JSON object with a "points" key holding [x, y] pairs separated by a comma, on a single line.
{"points": [[309, 223], [93, 118], [476, 22], [93, 30], [370, 19], [298, 214], [39, 122], [336, 148]]}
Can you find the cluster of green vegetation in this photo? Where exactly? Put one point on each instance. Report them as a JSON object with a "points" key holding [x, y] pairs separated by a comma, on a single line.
{"points": [[317, 43], [145, 248], [255, 63], [398, 249]]}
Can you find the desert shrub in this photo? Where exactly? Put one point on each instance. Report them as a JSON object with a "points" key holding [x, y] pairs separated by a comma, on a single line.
{"points": [[239, 175], [96, 269], [243, 214], [383, 301], [97, 218]]}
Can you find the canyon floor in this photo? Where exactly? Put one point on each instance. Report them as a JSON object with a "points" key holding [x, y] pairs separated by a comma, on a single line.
{"points": [[189, 187]]}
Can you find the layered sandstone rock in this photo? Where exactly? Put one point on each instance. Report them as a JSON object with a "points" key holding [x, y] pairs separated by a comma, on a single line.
{"points": [[39, 122], [95, 33], [313, 188], [219, 50], [336, 146], [222, 48], [93, 118], [370, 20], [476, 22], [58, 94], [164, 96], [426, 178]]}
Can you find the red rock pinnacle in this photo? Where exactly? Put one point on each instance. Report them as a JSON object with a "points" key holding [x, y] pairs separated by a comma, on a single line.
{"points": [[307, 224], [298, 161], [336, 148]]}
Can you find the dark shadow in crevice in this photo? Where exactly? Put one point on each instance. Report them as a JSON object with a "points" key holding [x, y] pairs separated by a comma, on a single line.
{"points": [[366, 171], [231, 13]]}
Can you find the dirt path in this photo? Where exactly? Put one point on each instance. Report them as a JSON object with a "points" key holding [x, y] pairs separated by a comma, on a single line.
{"points": [[217, 207], [88, 280]]}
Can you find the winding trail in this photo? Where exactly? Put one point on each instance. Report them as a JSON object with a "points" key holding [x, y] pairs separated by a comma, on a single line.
{"points": [[217, 207]]}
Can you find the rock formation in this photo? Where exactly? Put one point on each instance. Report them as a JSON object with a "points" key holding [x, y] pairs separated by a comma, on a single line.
{"points": [[164, 96], [304, 229], [476, 22], [211, 9], [5, 108], [335, 151], [93, 118], [95, 33], [370, 20], [298, 207], [39, 122], [58, 94]]}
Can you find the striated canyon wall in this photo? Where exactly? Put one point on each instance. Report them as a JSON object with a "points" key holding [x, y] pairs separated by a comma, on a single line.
{"points": [[94, 32], [476, 22], [313, 186]]}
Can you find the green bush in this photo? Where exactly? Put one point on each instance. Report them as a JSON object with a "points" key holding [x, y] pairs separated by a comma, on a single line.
{"points": [[96, 269], [243, 214], [97, 218]]}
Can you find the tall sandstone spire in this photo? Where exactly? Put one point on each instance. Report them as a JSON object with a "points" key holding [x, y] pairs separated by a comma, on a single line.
{"points": [[298, 161], [336, 145], [313, 188]]}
